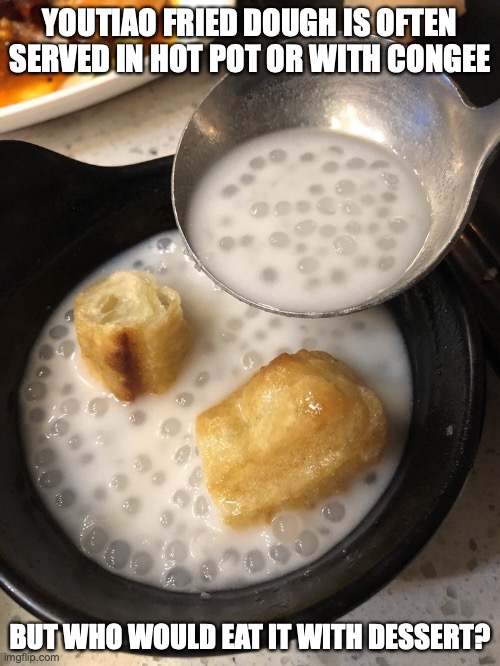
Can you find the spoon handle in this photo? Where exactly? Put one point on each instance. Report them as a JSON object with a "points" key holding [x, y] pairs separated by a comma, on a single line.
{"points": [[490, 118]]}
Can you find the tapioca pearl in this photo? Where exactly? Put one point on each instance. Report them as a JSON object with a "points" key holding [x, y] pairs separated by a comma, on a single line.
{"points": [[330, 166], [345, 245], [170, 428], [312, 283], [177, 578], [227, 337], [132, 505], [183, 454], [201, 507], [303, 206], [390, 180], [386, 262], [229, 191], [163, 268], [301, 248], [181, 498], [86, 458], [97, 407], [142, 463], [373, 228], [333, 511], [35, 391], [358, 325], [247, 240], [389, 197], [326, 206], [230, 558], [166, 245], [350, 207], [370, 478], [137, 418], [117, 554], [167, 518], [174, 552], [338, 276], [119, 482], [93, 540], [58, 332], [251, 312], [282, 208], [355, 163], [67, 389], [251, 360], [345, 186], [275, 322], [316, 189], [260, 334], [308, 265], [100, 494], [386, 243], [247, 179], [141, 563], [379, 164], [58, 428], [51, 478], [277, 155], [307, 157], [259, 209], [305, 227], [69, 316], [45, 352], [65, 498], [158, 478], [336, 149], [327, 231], [202, 378], [66, 348], [368, 199], [279, 554], [36, 415], [208, 571], [43, 372], [286, 526], [307, 543], [269, 275], [196, 478], [69, 406], [257, 163], [254, 561], [398, 225], [44, 457], [279, 239], [227, 243], [185, 399], [138, 264], [75, 442], [353, 227], [383, 212], [310, 343]]}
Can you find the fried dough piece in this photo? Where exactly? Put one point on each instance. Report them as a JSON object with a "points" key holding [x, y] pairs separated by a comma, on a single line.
{"points": [[296, 432], [132, 333]]}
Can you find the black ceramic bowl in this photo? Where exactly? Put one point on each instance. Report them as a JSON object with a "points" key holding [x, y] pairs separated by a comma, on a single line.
{"points": [[59, 224]]}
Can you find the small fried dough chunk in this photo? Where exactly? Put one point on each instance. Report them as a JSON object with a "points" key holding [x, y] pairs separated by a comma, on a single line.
{"points": [[299, 430], [132, 333]]}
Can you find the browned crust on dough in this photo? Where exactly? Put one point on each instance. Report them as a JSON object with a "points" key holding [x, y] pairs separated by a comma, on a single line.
{"points": [[125, 360]]}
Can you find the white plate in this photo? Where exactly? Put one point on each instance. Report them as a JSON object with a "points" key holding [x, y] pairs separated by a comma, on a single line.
{"points": [[86, 92], [72, 98]]}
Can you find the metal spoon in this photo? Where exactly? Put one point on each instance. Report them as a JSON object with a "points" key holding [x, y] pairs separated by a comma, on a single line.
{"points": [[425, 118]]}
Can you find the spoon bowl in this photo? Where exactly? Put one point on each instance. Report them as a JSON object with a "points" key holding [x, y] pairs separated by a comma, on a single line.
{"points": [[424, 118]]}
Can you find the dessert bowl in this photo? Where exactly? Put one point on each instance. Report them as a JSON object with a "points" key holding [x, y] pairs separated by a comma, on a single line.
{"points": [[68, 219]]}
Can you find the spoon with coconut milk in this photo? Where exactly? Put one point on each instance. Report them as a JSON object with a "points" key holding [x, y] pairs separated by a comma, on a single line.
{"points": [[319, 195]]}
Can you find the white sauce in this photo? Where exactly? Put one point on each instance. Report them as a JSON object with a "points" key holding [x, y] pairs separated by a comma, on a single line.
{"points": [[308, 220], [124, 480]]}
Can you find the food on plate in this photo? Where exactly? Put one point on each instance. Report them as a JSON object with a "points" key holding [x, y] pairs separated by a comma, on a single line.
{"points": [[132, 333], [296, 432]]}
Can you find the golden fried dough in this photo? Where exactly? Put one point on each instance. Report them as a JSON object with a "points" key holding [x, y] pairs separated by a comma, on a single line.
{"points": [[296, 432], [132, 333]]}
